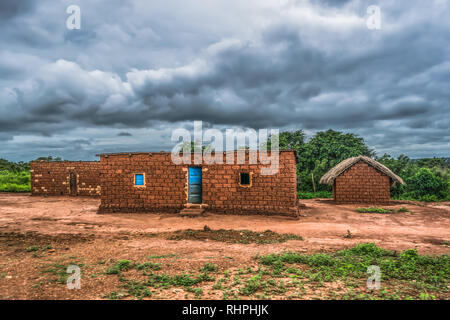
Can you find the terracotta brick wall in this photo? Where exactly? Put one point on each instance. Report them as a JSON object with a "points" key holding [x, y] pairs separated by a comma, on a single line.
{"points": [[166, 186], [53, 178], [362, 183]]}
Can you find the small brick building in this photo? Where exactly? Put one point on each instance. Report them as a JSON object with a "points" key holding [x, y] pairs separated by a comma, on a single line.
{"points": [[361, 180], [57, 178], [144, 182], [151, 182]]}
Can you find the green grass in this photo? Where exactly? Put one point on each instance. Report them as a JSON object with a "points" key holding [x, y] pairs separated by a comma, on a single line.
{"points": [[380, 210], [15, 181], [179, 280], [58, 271], [35, 248], [337, 275], [32, 249], [148, 266], [171, 255], [119, 266], [312, 195], [425, 198], [209, 267], [353, 263]]}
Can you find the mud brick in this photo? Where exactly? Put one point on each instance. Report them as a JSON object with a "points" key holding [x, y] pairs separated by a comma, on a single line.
{"points": [[53, 178], [362, 183], [166, 185]]}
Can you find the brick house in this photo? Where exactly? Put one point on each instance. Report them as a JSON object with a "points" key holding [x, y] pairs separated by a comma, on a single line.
{"points": [[143, 182], [151, 182], [57, 178], [361, 180]]}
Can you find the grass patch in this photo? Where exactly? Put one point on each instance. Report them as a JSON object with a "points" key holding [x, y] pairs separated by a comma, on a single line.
{"points": [[146, 266], [353, 263], [209, 267], [179, 280], [58, 271], [136, 289], [312, 195], [163, 256], [380, 210], [234, 236], [35, 248], [32, 249], [121, 265], [338, 275]]}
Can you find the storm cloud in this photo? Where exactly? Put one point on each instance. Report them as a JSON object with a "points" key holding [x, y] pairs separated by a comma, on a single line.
{"points": [[137, 70]]}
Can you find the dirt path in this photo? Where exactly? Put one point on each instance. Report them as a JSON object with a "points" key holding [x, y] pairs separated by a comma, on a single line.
{"points": [[322, 224], [76, 231]]}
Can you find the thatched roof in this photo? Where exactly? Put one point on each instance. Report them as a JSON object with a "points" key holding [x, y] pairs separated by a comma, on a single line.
{"points": [[338, 169]]}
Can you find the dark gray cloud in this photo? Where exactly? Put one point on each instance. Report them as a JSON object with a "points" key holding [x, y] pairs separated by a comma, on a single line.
{"points": [[124, 134], [137, 66], [9, 9]]}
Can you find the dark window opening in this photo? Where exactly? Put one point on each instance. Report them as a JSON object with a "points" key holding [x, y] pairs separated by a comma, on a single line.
{"points": [[245, 179]]}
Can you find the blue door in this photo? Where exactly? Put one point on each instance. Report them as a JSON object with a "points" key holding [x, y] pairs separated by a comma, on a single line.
{"points": [[195, 185]]}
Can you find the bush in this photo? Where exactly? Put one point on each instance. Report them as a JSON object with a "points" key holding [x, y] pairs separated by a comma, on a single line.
{"points": [[15, 181], [426, 186]]}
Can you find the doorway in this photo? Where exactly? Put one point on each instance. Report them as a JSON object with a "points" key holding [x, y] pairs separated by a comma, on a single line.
{"points": [[73, 184], [195, 185]]}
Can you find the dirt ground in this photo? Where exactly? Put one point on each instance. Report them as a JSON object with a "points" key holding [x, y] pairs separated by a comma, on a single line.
{"points": [[39, 235]]}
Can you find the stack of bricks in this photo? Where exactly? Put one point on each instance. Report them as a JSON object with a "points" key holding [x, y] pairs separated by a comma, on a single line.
{"points": [[166, 185], [52, 178], [361, 183]]}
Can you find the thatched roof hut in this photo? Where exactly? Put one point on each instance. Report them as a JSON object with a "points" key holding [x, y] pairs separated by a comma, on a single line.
{"points": [[338, 169]]}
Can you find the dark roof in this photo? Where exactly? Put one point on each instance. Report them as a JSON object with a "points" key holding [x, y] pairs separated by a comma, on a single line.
{"points": [[167, 152]]}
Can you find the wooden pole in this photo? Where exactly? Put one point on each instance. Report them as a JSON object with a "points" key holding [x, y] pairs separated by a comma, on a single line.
{"points": [[314, 184]]}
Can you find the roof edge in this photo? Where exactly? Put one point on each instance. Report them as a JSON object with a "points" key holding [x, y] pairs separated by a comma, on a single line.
{"points": [[168, 152], [337, 170]]}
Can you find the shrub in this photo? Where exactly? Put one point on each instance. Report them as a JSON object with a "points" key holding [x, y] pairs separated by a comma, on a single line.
{"points": [[15, 181], [426, 186]]}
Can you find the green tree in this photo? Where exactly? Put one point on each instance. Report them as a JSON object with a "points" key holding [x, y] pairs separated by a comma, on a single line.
{"points": [[49, 158], [325, 150], [426, 185], [403, 166], [290, 140]]}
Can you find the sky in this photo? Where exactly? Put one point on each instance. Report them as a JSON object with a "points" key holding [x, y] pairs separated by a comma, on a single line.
{"points": [[137, 70]]}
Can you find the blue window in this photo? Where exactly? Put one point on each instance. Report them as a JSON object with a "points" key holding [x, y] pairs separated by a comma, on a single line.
{"points": [[139, 179]]}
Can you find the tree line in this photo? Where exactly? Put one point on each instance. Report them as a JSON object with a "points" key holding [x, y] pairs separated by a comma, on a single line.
{"points": [[426, 179]]}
